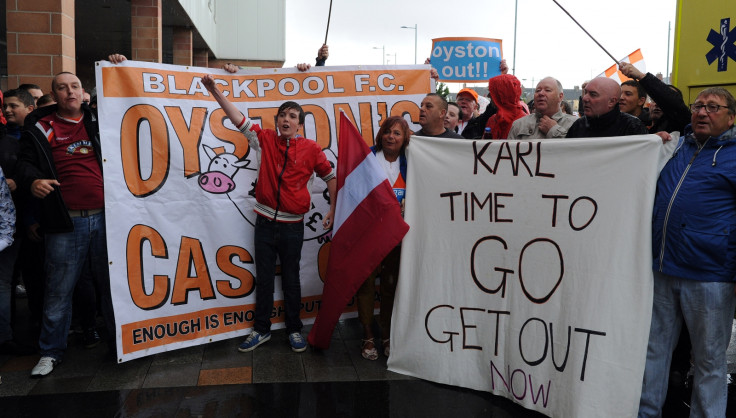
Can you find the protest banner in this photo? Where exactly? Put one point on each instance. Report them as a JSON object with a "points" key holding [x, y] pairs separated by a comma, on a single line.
{"points": [[466, 60], [527, 271], [179, 180]]}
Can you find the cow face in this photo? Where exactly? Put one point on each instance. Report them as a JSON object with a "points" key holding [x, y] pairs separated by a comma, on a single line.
{"points": [[218, 178]]}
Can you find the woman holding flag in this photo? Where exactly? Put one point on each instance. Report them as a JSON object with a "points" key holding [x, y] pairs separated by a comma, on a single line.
{"points": [[391, 141]]}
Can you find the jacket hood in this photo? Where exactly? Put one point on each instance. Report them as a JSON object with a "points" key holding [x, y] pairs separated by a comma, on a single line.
{"points": [[42, 112], [505, 91], [39, 113], [728, 137]]}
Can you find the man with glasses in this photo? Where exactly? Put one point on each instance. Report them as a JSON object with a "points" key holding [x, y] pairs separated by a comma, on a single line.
{"points": [[694, 247]]}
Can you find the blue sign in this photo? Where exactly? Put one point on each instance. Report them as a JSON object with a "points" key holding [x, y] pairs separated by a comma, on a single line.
{"points": [[466, 59]]}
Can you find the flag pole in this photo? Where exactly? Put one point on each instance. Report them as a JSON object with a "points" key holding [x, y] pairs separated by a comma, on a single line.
{"points": [[329, 15], [586, 32]]}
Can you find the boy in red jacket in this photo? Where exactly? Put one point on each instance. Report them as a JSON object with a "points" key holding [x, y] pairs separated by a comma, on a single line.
{"points": [[287, 162]]}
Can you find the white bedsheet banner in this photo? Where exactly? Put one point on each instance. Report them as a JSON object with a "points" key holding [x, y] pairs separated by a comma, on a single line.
{"points": [[527, 270], [180, 243]]}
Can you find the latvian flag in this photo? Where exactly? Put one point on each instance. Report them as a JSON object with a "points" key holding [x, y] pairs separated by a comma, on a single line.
{"points": [[635, 58], [368, 225]]}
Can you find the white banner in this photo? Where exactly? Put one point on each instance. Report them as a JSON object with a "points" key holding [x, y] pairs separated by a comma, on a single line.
{"points": [[180, 235], [527, 271]]}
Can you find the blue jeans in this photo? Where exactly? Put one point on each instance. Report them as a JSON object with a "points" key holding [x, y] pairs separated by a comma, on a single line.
{"points": [[707, 309], [7, 263], [66, 254], [285, 240]]}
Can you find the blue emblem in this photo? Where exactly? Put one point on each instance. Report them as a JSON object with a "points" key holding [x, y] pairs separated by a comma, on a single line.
{"points": [[723, 45]]}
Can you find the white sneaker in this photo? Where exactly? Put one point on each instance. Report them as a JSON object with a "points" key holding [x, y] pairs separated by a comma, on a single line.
{"points": [[20, 291], [44, 367]]}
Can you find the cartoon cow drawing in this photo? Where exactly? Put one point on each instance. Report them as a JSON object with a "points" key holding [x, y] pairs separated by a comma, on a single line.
{"points": [[218, 178]]}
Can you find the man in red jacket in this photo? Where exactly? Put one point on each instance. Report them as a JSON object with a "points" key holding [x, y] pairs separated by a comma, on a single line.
{"points": [[287, 162]]}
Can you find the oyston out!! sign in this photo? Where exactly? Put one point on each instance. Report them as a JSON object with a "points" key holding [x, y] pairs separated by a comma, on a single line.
{"points": [[466, 59]]}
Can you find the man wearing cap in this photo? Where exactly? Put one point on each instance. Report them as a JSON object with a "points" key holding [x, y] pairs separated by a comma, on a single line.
{"points": [[467, 99]]}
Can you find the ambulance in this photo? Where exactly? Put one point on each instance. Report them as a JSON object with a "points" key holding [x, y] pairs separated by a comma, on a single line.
{"points": [[705, 46]]}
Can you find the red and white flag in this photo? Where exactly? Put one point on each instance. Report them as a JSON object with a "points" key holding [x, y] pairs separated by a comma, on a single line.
{"points": [[368, 225], [635, 58]]}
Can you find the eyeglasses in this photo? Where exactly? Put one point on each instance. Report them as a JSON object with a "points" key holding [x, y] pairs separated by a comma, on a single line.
{"points": [[709, 108]]}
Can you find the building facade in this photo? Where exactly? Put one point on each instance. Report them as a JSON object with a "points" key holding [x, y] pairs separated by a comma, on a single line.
{"points": [[45, 37]]}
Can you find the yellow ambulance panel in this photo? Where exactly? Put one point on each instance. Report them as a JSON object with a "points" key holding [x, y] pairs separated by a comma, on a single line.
{"points": [[705, 46]]}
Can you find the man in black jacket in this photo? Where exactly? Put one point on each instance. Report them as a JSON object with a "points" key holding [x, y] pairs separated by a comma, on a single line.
{"points": [[602, 116], [61, 164], [669, 113]]}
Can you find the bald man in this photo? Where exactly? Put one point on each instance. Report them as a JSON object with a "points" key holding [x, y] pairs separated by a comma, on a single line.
{"points": [[60, 165], [602, 116]]}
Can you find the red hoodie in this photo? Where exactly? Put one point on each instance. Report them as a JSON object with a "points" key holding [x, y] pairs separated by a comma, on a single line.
{"points": [[505, 91]]}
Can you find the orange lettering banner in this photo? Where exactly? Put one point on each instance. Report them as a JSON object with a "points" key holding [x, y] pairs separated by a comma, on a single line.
{"points": [[276, 86], [179, 181]]}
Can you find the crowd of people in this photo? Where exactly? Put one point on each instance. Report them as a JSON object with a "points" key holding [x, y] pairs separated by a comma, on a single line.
{"points": [[51, 195]]}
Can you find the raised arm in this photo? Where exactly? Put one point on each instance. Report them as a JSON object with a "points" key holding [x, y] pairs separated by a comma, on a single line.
{"points": [[503, 67], [322, 55], [232, 112], [668, 99]]}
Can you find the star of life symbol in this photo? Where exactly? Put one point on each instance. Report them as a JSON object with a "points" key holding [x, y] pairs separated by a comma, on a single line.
{"points": [[723, 45]]}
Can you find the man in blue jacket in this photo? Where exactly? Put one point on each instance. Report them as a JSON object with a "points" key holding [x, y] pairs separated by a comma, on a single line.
{"points": [[694, 249]]}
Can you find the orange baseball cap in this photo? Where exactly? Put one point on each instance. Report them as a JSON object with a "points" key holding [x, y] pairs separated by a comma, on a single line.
{"points": [[470, 92]]}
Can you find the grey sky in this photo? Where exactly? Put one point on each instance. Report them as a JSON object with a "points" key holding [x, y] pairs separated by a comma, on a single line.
{"points": [[549, 43]]}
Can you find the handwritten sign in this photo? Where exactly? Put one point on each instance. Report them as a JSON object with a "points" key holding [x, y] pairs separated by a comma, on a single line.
{"points": [[527, 270]]}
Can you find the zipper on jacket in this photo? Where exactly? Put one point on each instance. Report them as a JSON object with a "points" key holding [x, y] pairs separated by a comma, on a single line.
{"points": [[278, 186], [672, 200]]}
